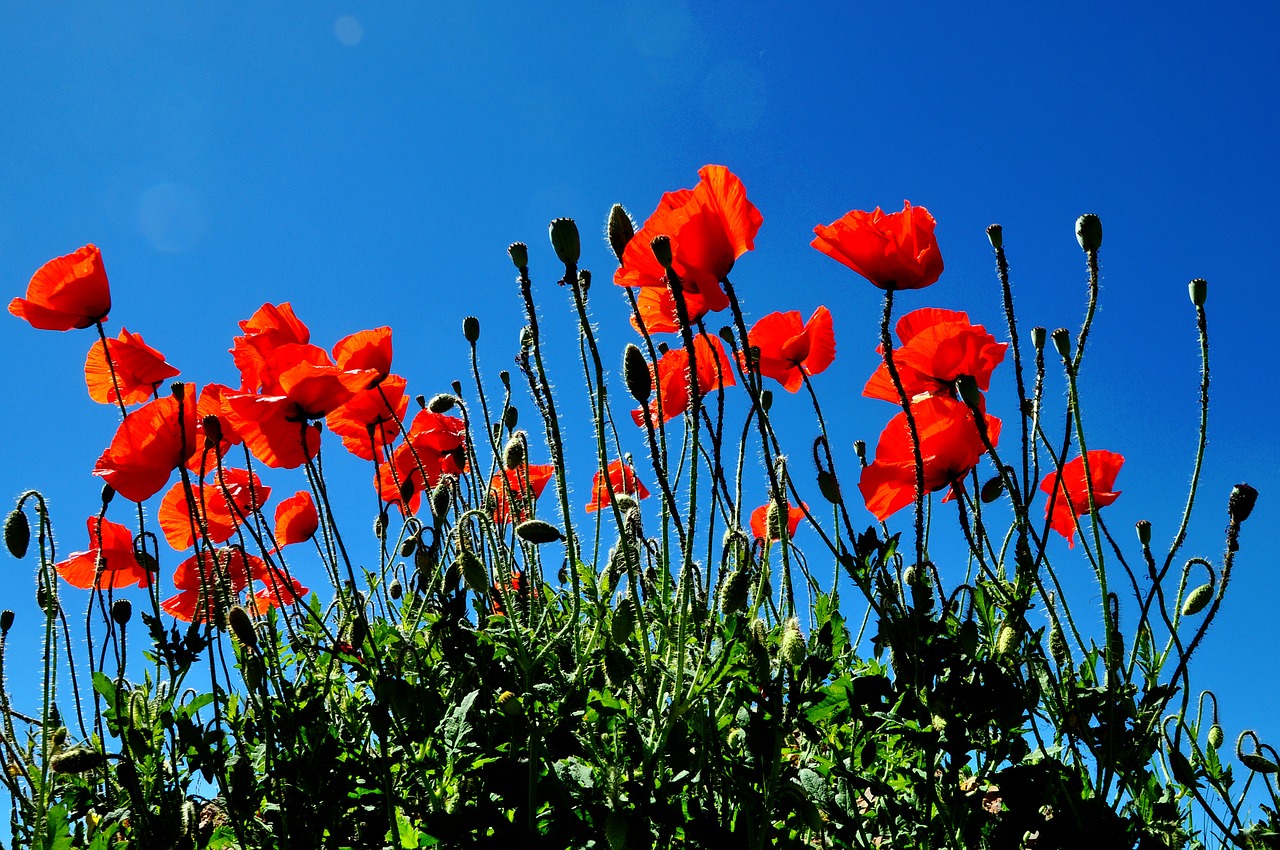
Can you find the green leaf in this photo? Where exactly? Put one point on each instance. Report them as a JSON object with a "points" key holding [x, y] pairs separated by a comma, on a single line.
{"points": [[456, 730]]}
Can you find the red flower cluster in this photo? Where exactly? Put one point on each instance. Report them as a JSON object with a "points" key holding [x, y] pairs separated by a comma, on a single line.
{"points": [[938, 346], [435, 446]]}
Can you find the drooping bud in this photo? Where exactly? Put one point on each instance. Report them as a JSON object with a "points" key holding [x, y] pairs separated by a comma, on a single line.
{"points": [[1144, 532], [473, 572], [1241, 503], [242, 627], [996, 234], [77, 760], [471, 329], [1215, 736], [441, 500], [661, 247], [441, 403], [992, 490], [537, 532], [17, 533], [1062, 342], [1038, 335], [766, 400], [565, 240], [407, 547], [1199, 289], [108, 493], [1089, 232], [1058, 645], [969, 392], [1197, 600], [510, 417], [519, 253], [635, 369], [619, 228], [121, 611], [395, 590], [829, 487], [792, 649]]}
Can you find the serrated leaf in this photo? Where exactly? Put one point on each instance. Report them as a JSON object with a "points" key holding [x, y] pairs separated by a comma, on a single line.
{"points": [[455, 730]]}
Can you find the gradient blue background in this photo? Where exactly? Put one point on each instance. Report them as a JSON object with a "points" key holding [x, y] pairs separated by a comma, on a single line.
{"points": [[371, 161]]}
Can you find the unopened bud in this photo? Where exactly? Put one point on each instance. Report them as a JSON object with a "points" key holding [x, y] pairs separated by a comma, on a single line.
{"points": [[17, 533], [1199, 289], [513, 455], [996, 234], [565, 240], [1241, 503], [635, 369], [1006, 640], [519, 253], [473, 572], [1062, 342], [108, 493], [1089, 232], [829, 487], [77, 760], [620, 228], [510, 417], [380, 525], [661, 247], [537, 532], [1215, 736], [407, 547], [1144, 532], [471, 329], [766, 400], [969, 392], [509, 704], [441, 403], [121, 611], [1058, 645], [733, 593], [991, 490], [242, 627], [792, 649], [1197, 600], [395, 589], [624, 621], [441, 499]]}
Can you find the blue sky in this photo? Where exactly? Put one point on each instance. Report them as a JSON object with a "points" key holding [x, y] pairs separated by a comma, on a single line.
{"points": [[370, 163]]}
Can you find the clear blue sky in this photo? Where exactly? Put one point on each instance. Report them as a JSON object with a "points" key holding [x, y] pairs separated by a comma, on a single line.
{"points": [[371, 161]]}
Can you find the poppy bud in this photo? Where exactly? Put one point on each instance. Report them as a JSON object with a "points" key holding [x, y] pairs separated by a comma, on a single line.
{"points": [[829, 487], [1006, 640], [519, 253], [1144, 532], [1258, 763], [77, 760], [1215, 736], [969, 392], [635, 369], [1199, 291], [766, 400], [395, 590], [565, 240], [441, 403], [471, 329], [1058, 645], [792, 649], [17, 533], [1062, 342], [108, 493], [619, 228], [991, 490], [733, 593], [121, 611], [996, 234], [538, 532], [440, 500], [513, 455], [1197, 600], [510, 417], [407, 547], [6, 621], [1037, 337], [1089, 232], [59, 736], [242, 627], [1240, 505], [661, 247], [737, 739], [473, 572]]}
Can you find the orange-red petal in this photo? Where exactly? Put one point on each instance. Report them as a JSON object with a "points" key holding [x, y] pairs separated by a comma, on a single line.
{"points": [[138, 370], [67, 292]]}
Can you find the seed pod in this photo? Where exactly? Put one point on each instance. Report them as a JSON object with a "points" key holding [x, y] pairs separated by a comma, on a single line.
{"points": [[565, 240], [509, 704], [1199, 290], [538, 532], [441, 403], [471, 329], [6, 621], [77, 760], [1058, 645], [473, 572], [996, 234], [242, 627], [1062, 342], [620, 228], [792, 650], [635, 369], [519, 254], [1241, 503], [733, 593], [829, 487], [1144, 532], [1089, 232], [1215, 736], [121, 611], [17, 533], [1037, 337], [1197, 600], [395, 589]]}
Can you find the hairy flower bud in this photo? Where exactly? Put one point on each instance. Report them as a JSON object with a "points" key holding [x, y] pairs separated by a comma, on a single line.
{"points": [[996, 234], [537, 532], [624, 621], [1215, 736], [471, 329], [1089, 232], [1006, 641], [766, 400], [519, 253], [513, 454], [1197, 600], [473, 572], [734, 590], [1058, 645], [969, 392], [792, 650], [242, 627], [991, 490], [17, 533], [661, 247], [565, 240], [108, 493], [121, 611], [829, 487], [509, 704], [77, 760], [619, 228], [407, 547], [441, 403], [1199, 289], [1062, 342], [635, 369], [395, 590], [1241, 503]]}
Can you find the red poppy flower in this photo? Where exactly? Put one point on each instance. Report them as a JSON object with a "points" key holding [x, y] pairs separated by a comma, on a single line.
{"points": [[111, 549], [278, 593], [211, 404], [139, 369], [1072, 499], [381, 408], [791, 348], [622, 480], [208, 575], [67, 292], [296, 519], [435, 446], [710, 226], [365, 350], [938, 346], [220, 508], [893, 251], [266, 330], [309, 379], [761, 520], [149, 445], [274, 428], [657, 310], [712, 370], [949, 445], [499, 500]]}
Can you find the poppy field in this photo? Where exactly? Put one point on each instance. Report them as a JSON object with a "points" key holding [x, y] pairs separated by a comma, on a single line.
{"points": [[745, 636]]}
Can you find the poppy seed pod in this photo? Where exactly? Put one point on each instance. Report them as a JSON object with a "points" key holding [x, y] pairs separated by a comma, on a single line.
{"points": [[1037, 337], [662, 252], [1089, 232], [179, 390], [996, 234], [6, 620], [565, 240], [1199, 291], [619, 229], [121, 611], [635, 369], [17, 533], [1240, 505], [212, 431], [1144, 532], [1197, 600], [1062, 342], [441, 403], [519, 253], [537, 532], [860, 449], [471, 329]]}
